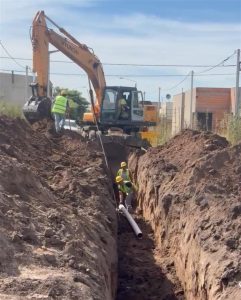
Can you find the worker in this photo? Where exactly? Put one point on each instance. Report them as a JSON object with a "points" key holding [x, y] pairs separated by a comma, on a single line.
{"points": [[59, 108], [125, 192], [124, 172], [123, 109]]}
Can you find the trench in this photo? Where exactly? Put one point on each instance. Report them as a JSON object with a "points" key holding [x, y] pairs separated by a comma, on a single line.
{"points": [[143, 271]]}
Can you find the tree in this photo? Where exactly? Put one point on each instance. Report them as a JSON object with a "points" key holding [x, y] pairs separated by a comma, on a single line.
{"points": [[78, 104]]}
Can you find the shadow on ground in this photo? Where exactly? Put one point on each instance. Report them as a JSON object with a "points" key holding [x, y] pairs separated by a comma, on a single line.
{"points": [[140, 277]]}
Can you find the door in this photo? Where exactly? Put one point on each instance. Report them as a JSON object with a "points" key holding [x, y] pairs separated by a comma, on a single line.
{"points": [[204, 121], [137, 110]]}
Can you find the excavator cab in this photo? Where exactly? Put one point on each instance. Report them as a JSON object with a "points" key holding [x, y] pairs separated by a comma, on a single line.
{"points": [[122, 107]]}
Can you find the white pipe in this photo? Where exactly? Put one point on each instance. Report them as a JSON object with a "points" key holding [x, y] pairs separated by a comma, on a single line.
{"points": [[131, 221]]}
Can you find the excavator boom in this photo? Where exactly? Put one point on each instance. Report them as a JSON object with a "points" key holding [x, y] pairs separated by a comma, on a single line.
{"points": [[107, 112], [79, 53]]}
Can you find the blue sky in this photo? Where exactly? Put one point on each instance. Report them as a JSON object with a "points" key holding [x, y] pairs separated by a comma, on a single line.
{"points": [[202, 32], [189, 10]]}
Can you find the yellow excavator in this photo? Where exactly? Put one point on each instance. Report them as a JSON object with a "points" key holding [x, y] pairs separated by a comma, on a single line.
{"points": [[105, 108]]}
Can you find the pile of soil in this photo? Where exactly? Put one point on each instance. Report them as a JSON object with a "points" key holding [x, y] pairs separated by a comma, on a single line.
{"points": [[190, 191], [57, 216]]}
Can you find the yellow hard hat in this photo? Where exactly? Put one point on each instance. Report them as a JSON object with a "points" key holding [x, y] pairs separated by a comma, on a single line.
{"points": [[123, 164], [118, 179], [63, 93]]}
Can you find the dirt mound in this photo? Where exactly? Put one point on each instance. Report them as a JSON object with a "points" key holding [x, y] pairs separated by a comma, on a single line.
{"points": [[57, 224], [190, 190]]}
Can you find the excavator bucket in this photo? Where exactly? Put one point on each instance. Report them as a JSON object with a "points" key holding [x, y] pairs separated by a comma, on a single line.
{"points": [[36, 109]]}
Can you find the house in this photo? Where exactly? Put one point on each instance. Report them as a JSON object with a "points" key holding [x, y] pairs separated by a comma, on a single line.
{"points": [[202, 108]]}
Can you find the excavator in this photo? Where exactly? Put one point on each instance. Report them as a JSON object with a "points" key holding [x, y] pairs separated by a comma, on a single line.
{"points": [[104, 115]]}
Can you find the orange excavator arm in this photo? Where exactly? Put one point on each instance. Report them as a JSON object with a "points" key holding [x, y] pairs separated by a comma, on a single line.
{"points": [[67, 44]]}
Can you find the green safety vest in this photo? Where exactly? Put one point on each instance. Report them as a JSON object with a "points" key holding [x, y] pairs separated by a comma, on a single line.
{"points": [[60, 105], [125, 175], [124, 189]]}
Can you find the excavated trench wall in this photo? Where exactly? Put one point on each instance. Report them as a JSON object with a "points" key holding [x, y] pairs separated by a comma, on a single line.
{"points": [[190, 191], [58, 226]]}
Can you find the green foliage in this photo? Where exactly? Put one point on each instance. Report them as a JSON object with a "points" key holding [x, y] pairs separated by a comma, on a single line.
{"points": [[10, 110], [78, 104], [231, 129], [164, 131]]}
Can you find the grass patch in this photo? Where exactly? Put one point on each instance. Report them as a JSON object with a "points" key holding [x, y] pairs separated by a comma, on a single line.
{"points": [[10, 110], [231, 129], [164, 131]]}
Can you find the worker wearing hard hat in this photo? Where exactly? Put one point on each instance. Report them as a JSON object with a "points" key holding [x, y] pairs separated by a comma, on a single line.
{"points": [[59, 108], [123, 109], [124, 172], [125, 192]]}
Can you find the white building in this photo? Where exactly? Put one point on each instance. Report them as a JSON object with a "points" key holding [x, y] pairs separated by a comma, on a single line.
{"points": [[14, 88]]}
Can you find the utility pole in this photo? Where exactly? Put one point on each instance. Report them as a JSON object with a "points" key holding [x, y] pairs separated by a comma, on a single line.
{"points": [[26, 83], [237, 100], [191, 101], [159, 101]]}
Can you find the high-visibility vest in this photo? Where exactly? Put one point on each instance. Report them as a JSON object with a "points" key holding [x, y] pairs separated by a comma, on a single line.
{"points": [[124, 189], [125, 175], [60, 105]]}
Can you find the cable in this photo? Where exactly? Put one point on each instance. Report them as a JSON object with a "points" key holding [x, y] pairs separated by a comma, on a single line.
{"points": [[218, 65], [11, 57], [130, 75], [173, 87], [123, 64]]}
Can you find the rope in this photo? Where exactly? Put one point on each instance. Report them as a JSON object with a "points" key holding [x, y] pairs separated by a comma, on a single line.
{"points": [[102, 145]]}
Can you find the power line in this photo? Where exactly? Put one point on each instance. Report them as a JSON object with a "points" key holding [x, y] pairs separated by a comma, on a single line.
{"points": [[11, 57], [218, 65], [128, 75], [126, 64], [176, 85]]}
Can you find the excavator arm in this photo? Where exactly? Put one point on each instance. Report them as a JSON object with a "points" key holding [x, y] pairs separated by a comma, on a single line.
{"points": [[79, 53]]}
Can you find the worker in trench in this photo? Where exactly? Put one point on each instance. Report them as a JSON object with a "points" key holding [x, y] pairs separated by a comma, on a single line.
{"points": [[124, 172], [59, 109], [126, 192]]}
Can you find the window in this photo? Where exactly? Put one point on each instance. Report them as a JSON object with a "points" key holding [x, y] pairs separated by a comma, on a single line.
{"points": [[109, 99], [109, 105]]}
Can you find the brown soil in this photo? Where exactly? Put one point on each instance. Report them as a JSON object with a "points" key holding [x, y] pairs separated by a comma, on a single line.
{"points": [[57, 222], [143, 274], [58, 227], [190, 191]]}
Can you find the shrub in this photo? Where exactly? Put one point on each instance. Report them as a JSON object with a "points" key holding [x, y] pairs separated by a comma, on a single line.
{"points": [[10, 110]]}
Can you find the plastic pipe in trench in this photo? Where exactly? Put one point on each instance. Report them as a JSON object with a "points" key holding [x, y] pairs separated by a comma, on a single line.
{"points": [[131, 221]]}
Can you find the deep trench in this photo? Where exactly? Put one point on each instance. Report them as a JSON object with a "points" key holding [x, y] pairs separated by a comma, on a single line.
{"points": [[142, 274]]}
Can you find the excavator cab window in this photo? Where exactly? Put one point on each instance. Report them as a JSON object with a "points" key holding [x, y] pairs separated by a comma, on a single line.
{"points": [[109, 105], [137, 106]]}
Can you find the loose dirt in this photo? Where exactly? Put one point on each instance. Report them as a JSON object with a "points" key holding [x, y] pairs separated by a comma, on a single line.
{"points": [[143, 275], [58, 225], [190, 192], [57, 216]]}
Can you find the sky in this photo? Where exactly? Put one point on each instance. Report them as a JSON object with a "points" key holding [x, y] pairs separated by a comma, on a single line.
{"points": [[181, 33]]}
